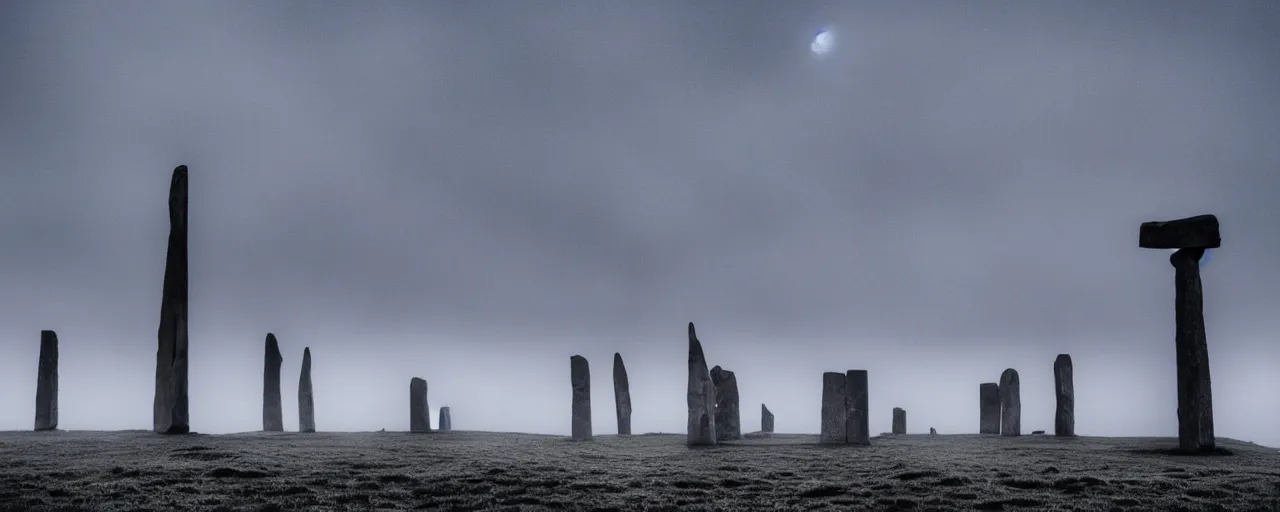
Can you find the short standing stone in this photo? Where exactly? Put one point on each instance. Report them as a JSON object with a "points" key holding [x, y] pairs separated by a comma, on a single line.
{"points": [[306, 401], [766, 419], [899, 421], [272, 406], [835, 411], [419, 406], [728, 424], [621, 395], [701, 396], [47, 382], [989, 412], [169, 409], [446, 422], [580, 379], [1010, 404], [857, 427], [1064, 418]]}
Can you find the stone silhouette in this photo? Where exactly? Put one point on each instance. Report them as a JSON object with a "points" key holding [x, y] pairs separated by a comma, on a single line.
{"points": [[1010, 404], [857, 426], [766, 419], [989, 411], [835, 407], [169, 409], [899, 420], [306, 401], [272, 406], [47, 382], [728, 419], [621, 395], [419, 408], [1190, 236], [701, 396], [1064, 417], [580, 379], [446, 421], [932, 431]]}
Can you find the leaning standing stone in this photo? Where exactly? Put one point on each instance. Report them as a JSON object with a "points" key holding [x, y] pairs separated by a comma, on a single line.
{"points": [[272, 407], [621, 395], [834, 407], [989, 412], [1010, 404], [728, 424], [857, 427], [47, 382], [580, 379], [419, 408], [1064, 418], [169, 409], [766, 419], [446, 422], [701, 396], [306, 401], [899, 421]]}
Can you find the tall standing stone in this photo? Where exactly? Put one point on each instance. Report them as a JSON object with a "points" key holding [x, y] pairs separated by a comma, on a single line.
{"points": [[701, 396], [858, 427], [989, 408], [1064, 418], [899, 420], [169, 409], [306, 401], [580, 379], [1010, 404], [419, 408], [766, 419], [446, 421], [47, 382], [272, 406], [728, 418], [835, 411], [621, 395]]}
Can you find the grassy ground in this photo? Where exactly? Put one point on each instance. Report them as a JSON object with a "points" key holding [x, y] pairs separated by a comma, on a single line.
{"points": [[499, 471]]}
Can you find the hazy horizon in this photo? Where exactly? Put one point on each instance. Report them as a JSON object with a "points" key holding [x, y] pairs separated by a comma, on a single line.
{"points": [[471, 193]]}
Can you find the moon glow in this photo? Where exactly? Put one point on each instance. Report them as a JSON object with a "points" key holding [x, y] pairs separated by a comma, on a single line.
{"points": [[822, 43]]}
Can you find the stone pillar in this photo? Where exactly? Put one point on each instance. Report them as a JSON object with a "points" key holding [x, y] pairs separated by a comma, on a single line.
{"points": [[701, 396], [306, 401], [1064, 417], [1010, 404], [989, 408], [580, 379], [857, 427], [766, 419], [47, 383], [899, 421], [419, 406], [621, 395], [272, 403], [169, 409], [835, 412], [728, 419], [446, 421]]}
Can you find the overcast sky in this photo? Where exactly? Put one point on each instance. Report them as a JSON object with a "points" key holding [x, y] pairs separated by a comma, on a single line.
{"points": [[472, 192]]}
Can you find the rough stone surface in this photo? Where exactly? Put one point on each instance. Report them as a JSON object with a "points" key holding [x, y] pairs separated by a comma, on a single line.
{"points": [[857, 425], [169, 409], [1195, 394], [701, 396], [580, 379], [419, 407], [1199, 232], [989, 412], [766, 419], [899, 420], [621, 395], [728, 418], [1064, 417], [47, 382], [446, 419], [306, 401], [272, 403], [1010, 404], [835, 407]]}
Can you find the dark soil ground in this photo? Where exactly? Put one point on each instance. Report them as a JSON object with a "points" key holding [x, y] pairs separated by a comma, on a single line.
{"points": [[138, 471]]}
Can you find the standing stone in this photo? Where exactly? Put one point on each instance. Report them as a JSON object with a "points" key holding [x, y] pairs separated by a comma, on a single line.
{"points": [[169, 409], [47, 382], [766, 419], [272, 406], [835, 409], [446, 422], [306, 401], [857, 428], [989, 408], [580, 379], [899, 421], [728, 419], [419, 409], [1064, 418], [701, 396], [1010, 404], [621, 395]]}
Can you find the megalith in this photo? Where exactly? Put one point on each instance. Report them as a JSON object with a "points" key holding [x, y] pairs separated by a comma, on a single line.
{"points": [[989, 408], [580, 379], [306, 401], [899, 421], [1191, 237], [701, 396], [766, 419], [419, 408], [446, 421], [835, 411], [169, 409], [47, 382], [621, 395], [272, 406], [1064, 417], [728, 418], [1010, 404], [857, 427]]}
